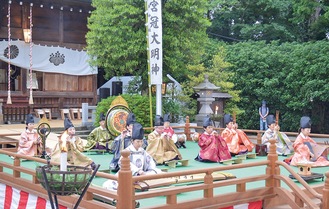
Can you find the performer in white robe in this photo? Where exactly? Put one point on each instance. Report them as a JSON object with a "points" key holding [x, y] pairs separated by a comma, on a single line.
{"points": [[283, 143], [141, 163]]}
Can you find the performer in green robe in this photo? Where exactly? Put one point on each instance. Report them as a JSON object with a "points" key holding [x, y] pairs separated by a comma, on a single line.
{"points": [[100, 138]]}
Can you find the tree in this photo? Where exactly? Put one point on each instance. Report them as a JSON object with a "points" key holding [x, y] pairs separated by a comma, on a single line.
{"points": [[284, 20], [292, 77], [116, 40], [219, 75]]}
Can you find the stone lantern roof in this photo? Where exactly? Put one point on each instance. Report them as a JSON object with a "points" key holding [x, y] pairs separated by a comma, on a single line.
{"points": [[206, 85]]}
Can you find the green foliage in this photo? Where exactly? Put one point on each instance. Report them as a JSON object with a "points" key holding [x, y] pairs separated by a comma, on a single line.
{"points": [[284, 20], [292, 77], [138, 104], [218, 75], [116, 40]]}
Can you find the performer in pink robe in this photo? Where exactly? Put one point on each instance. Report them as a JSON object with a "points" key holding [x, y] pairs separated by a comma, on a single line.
{"points": [[237, 141], [213, 146], [180, 139], [306, 149], [29, 140]]}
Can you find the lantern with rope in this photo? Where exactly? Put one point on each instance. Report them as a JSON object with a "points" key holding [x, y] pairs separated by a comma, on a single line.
{"points": [[9, 54], [31, 53]]}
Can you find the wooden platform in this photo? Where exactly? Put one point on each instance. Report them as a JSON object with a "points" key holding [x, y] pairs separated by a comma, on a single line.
{"points": [[188, 179], [97, 151], [4, 142]]}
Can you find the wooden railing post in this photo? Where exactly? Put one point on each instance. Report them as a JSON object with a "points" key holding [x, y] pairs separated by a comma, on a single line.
{"points": [[126, 198], [272, 168], [187, 129], [259, 137], [208, 179], [17, 163], [1, 113], [325, 192]]}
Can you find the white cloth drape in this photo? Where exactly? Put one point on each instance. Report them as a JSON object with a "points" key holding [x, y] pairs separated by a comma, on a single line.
{"points": [[51, 59]]}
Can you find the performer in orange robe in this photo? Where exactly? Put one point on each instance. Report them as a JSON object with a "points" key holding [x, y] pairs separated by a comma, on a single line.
{"points": [[237, 141], [213, 146], [306, 149]]}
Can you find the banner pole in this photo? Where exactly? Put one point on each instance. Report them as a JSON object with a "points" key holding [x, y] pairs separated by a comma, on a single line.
{"points": [[148, 65]]}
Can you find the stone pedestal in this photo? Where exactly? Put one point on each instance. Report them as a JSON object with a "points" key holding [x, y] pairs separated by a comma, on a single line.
{"points": [[205, 109]]}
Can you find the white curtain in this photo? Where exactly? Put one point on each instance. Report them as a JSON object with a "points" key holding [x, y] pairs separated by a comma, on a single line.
{"points": [[51, 59]]}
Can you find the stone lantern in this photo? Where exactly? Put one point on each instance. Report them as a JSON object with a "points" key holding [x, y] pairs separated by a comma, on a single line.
{"points": [[205, 90]]}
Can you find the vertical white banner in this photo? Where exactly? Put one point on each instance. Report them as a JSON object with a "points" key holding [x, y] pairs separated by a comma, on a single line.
{"points": [[154, 27]]}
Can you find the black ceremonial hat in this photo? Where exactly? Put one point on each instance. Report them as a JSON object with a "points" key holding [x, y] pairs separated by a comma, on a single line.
{"points": [[137, 132], [29, 119], [67, 123], [207, 121], [101, 117], [167, 118], [270, 119], [305, 122], [131, 119], [227, 118], [158, 120]]}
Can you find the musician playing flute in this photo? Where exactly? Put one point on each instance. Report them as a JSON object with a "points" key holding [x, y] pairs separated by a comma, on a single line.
{"points": [[213, 146], [237, 141], [283, 143]]}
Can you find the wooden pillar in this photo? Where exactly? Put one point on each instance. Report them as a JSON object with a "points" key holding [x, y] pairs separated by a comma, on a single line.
{"points": [[187, 129], [17, 163], [259, 137], [125, 193], [272, 168], [325, 192], [1, 111], [208, 179]]}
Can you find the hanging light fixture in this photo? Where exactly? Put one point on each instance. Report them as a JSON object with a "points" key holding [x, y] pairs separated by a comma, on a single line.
{"points": [[27, 35]]}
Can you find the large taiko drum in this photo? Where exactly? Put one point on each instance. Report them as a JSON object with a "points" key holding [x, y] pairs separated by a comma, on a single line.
{"points": [[116, 119]]}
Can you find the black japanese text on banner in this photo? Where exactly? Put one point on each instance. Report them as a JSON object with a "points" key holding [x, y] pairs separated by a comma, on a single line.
{"points": [[155, 40]]}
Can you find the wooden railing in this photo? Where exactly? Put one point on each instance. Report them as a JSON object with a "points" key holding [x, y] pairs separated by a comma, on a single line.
{"points": [[252, 134], [126, 196]]}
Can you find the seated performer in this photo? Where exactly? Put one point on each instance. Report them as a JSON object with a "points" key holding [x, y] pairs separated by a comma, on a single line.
{"points": [[283, 143], [160, 146], [73, 145], [213, 146], [29, 140], [99, 138], [141, 163], [306, 149], [237, 141], [179, 140], [122, 142]]}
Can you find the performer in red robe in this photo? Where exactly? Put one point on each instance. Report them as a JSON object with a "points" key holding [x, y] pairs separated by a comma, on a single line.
{"points": [[237, 141], [213, 146]]}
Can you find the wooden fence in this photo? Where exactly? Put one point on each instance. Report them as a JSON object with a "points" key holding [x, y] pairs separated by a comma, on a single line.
{"points": [[272, 193]]}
